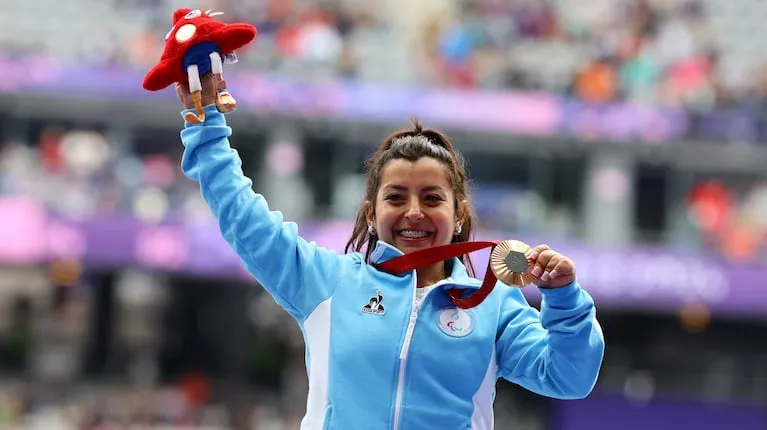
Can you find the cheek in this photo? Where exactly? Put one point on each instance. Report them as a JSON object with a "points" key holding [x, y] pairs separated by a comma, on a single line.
{"points": [[445, 226], [443, 219], [384, 218]]}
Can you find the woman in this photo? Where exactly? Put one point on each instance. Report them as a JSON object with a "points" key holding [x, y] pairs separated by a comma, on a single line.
{"points": [[385, 351]]}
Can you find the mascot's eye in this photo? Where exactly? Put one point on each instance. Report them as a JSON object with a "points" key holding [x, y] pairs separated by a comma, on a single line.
{"points": [[193, 14], [185, 32]]}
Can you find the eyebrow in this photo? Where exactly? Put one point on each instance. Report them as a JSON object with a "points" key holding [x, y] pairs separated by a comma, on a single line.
{"points": [[427, 189]]}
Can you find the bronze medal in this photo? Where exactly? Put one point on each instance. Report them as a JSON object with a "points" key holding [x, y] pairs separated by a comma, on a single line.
{"points": [[510, 264]]}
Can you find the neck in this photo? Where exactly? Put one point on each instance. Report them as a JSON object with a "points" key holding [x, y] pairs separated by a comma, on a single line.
{"points": [[431, 274]]}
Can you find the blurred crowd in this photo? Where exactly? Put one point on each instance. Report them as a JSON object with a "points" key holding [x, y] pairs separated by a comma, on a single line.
{"points": [[80, 174], [121, 407], [729, 218], [684, 53], [695, 54], [691, 53], [55, 376]]}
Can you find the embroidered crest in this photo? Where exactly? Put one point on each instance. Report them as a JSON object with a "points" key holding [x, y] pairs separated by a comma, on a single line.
{"points": [[375, 305], [455, 322]]}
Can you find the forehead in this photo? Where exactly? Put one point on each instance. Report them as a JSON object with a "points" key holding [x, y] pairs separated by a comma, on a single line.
{"points": [[425, 172]]}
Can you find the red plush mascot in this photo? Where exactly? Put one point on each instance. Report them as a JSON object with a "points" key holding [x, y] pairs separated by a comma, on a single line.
{"points": [[198, 44]]}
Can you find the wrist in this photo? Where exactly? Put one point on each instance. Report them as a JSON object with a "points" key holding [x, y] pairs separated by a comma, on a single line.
{"points": [[563, 296], [212, 115]]}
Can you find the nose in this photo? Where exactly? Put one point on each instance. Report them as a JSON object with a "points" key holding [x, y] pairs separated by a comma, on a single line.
{"points": [[414, 212]]}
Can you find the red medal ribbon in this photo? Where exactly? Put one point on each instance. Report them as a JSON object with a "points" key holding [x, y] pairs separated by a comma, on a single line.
{"points": [[424, 257]]}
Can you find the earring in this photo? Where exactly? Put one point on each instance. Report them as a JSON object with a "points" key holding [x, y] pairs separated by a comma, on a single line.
{"points": [[458, 229], [371, 230]]}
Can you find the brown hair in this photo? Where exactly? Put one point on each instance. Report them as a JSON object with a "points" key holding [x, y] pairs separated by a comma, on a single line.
{"points": [[413, 144]]}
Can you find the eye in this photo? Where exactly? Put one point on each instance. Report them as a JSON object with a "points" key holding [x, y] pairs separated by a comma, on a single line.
{"points": [[434, 198], [193, 14], [185, 32], [393, 197]]}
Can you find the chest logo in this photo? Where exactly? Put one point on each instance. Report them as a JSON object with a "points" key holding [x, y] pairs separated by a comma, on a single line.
{"points": [[455, 322], [375, 305]]}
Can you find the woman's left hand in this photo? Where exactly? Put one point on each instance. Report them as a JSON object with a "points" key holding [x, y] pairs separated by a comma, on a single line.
{"points": [[550, 268]]}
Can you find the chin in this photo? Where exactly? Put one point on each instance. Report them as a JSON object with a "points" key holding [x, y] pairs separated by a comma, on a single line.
{"points": [[410, 246]]}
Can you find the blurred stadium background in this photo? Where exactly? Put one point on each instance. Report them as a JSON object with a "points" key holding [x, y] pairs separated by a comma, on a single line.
{"points": [[630, 134]]}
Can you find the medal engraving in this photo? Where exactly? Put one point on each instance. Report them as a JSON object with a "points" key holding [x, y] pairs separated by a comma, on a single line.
{"points": [[517, 262]]}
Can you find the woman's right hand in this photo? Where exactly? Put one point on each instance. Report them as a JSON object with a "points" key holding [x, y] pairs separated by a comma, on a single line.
{"points": [[209, 91]]}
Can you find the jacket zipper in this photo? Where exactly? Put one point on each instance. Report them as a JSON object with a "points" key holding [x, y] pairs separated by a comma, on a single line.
{"points": [[403, 355]]}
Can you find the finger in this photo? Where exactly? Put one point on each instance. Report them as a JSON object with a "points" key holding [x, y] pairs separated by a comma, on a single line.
{"points": [[210, 81], [220, 84], [542, 261], [564, 267], [182, 87], [550, 267], [209, 87], [182, 92], [535, 252], [208, 78]]}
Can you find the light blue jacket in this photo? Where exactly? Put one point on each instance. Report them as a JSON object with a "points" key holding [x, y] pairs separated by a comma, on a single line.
{"points": [[374, 358]]}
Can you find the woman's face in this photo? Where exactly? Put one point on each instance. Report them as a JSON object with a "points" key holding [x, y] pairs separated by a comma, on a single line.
{"points": [[414, 206]]}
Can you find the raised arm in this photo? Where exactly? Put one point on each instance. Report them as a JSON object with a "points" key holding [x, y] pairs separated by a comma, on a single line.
{"points": [[556, 352], [298, 274]]}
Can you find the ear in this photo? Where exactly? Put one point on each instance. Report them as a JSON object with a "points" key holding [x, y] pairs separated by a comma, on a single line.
{"points": [[180, 13], [369, 212], [463, 212]]}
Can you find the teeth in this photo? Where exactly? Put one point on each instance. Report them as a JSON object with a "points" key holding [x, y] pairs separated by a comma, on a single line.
{"points": [[414, 233]]}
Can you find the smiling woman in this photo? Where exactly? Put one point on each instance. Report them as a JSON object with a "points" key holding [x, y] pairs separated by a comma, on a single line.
{"points": [[416, 198], [401, 334]]}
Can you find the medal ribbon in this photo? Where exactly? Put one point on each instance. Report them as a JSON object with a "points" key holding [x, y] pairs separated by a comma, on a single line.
{"points": [[424, 257]]}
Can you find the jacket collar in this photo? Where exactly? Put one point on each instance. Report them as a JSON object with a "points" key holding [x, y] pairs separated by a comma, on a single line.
{"points": [[459, 277]]}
